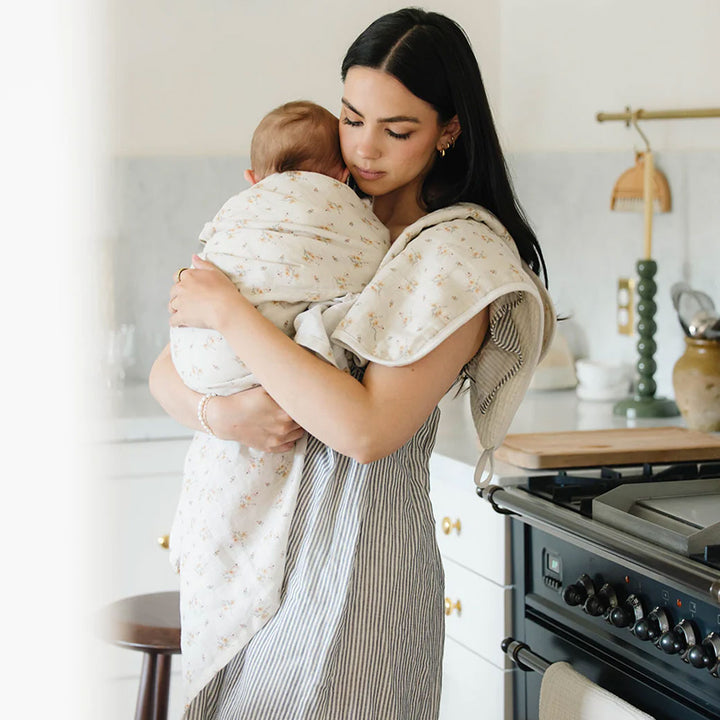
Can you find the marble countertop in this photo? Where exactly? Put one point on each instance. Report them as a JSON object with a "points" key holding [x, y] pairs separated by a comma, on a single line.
{"points": [[134, 415], [540, 411]]}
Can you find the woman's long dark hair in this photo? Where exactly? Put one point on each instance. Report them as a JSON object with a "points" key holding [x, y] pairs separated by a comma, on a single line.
{"points": [[432, 57]]}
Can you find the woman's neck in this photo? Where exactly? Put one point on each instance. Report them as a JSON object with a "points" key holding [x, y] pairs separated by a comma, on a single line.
{"points": [[397, 212]]}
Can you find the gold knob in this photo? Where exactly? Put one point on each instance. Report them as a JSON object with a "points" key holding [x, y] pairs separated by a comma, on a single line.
{"points": [[164, 541], [449, 606], [448, 525]]}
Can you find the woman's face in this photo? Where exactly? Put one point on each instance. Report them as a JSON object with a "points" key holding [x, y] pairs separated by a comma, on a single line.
{"points": [[389, 137]]}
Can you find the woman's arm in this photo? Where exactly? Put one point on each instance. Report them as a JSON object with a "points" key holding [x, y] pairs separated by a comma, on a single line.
{"points": [[365, 421], [251, 417]]}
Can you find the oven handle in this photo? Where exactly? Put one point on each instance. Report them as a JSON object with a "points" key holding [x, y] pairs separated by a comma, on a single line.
{"points": [[523, 656], [605, 540]]}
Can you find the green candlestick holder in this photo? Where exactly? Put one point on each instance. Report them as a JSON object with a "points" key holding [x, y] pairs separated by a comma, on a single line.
{"points": [[644, 404]]}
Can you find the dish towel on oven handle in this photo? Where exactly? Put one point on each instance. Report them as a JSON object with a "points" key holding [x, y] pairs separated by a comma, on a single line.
{"points": [[565, 694], [440, 272]]}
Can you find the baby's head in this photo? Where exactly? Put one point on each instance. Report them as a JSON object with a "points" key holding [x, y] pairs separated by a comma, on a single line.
{"points": [[298, 135]]}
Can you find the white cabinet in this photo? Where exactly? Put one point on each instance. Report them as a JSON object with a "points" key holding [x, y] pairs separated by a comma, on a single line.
{"points": [[134, 503], [473, 688], [474, 542], [142, 486]]}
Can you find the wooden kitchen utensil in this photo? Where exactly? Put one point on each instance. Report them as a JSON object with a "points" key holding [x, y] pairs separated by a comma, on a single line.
{"points": [[593, 448], [628, 193]]}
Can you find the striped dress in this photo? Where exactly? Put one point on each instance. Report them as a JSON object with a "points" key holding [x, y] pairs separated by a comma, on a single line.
{"points": [[359, 633]]}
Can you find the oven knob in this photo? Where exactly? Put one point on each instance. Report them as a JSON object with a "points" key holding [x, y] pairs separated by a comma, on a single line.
{"points": [[707, 653], [602, 602], [621, 616], [641, 629], [610, 599], [653, 626], [596, 605], [578, 593], [627, 614], [698, 658], [671, 642], [677, 640], [574, 594]]}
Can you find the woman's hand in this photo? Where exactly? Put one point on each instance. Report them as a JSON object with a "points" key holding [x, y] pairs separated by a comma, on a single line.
{"points": [[251, 417], [203, 297]]}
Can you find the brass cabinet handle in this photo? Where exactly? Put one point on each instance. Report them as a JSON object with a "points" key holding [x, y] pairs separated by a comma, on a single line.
{"points": [[448, 525], [164, 541], [450, 606]]}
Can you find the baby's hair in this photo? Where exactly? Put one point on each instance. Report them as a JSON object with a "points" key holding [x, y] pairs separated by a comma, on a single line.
{"points": [[298, 135]]}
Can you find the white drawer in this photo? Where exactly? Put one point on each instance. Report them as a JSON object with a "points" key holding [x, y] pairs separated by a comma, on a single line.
{"points": [[484, 618], [473, 689], [134, 502], [131, 514], [468, 530]]}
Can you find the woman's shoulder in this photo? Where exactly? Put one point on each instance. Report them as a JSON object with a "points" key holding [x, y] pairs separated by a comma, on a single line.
{"points": [[462, 228], [460, 216], [451, 264]]}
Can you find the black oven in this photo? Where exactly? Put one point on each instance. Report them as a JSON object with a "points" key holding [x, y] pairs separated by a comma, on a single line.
{"points": [[636, 618]]}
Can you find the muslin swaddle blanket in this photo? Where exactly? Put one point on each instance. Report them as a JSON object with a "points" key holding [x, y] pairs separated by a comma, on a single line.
{"points": [[440, 272], [292, 239]]}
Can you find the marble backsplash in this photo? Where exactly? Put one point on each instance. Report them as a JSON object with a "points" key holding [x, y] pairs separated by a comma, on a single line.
{"points": [[161, 203]]}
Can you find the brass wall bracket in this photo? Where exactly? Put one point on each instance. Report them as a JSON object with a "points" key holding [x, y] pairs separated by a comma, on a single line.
{"points": [[625, 315]]}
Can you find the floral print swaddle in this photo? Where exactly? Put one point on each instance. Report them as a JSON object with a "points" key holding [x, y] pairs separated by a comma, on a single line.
{"points": [[295, 242]]}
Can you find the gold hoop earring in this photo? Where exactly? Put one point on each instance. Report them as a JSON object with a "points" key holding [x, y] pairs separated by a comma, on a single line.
{"points": [[447, 146]]}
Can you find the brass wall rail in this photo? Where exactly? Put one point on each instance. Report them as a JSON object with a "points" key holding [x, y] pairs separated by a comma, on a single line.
{"points": [[634, 115]]}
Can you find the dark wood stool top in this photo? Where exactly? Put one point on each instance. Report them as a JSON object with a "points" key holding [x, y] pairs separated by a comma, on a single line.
{"points": [[144, 622]]}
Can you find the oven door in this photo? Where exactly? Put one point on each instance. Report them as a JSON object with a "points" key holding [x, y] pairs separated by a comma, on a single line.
{"points": [[662, 686], [612, 672]]}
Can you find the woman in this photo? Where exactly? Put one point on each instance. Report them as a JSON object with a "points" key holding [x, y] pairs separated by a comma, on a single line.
{"points": [[359, 633]]}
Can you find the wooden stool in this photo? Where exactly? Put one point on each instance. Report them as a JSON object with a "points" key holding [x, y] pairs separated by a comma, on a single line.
{"points": [[150, 624]]}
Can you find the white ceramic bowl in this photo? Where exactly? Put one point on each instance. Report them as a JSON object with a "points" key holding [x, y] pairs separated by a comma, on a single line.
{"points": [[600, 376]]}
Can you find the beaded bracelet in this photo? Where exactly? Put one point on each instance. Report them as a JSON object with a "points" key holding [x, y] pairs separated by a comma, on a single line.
{"points": [[202, 413]]}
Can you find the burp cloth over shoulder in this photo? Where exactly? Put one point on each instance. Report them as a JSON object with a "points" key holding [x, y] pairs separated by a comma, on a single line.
{"points": [[439, 273]]}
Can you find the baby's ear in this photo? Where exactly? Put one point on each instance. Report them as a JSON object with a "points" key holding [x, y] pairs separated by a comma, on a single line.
{"points": [[343, 175], [250, 177]]}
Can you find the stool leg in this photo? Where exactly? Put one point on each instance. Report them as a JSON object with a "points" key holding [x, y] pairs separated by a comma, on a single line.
{"points": [[162, 686], [144, 709]]}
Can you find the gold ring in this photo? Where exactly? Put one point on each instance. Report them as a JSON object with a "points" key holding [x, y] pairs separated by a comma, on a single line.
{"points": [[179, 273]]}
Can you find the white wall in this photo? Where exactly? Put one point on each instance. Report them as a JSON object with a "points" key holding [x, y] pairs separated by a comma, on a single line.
{"points": [[192, 77], [189, 80], [565, 60]]}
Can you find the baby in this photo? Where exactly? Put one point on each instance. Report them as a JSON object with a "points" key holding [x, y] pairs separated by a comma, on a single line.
{"points": [[300, 244], [299, 235]]}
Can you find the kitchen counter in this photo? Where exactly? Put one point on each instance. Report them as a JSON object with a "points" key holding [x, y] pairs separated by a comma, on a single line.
{"points": [[134, 415], [540, 411]]}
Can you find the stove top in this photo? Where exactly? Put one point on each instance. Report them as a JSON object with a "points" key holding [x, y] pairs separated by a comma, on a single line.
{"points": [[668, 508], [576, 490]]}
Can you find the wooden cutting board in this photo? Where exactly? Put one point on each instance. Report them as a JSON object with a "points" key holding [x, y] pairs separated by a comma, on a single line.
{"points": [[590, 448]]}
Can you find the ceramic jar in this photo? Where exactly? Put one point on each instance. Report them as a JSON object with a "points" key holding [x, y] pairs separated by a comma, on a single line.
{"points": [[696, 379]]}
